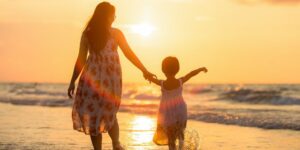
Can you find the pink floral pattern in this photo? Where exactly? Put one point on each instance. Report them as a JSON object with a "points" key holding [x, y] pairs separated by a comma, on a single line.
{"points": [[98, 94]]}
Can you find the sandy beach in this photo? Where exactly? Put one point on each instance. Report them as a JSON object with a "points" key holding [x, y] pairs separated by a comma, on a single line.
{"points": [[34, 127]]}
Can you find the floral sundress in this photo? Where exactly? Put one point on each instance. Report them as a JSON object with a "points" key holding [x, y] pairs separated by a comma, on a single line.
{"points": [[98, 94]]}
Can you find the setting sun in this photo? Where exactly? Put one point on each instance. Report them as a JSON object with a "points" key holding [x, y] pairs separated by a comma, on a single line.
{"points": [[240, 35], [143, 29]]}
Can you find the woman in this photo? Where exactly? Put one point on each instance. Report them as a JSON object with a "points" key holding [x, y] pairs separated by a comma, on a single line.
{"points": [[98, 94]]}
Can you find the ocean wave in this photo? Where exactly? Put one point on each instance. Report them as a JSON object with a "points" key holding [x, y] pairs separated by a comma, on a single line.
{"points": [[145, 96], [267, 119], [145, 100], [149, 109], [252, 96], [134, 94], [224, 118], [199, 90], [58, 102], [128, 93], [34, 89], [38, 92]]}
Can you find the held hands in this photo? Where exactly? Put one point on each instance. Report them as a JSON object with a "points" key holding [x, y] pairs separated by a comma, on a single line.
{"points": [[71, 89], [148, 75]]}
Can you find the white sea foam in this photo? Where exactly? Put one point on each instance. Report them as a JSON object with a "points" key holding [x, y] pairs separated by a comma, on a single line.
{"points": [[253, 96]]}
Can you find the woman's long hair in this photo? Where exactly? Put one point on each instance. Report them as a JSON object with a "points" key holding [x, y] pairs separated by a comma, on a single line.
{"points": [[97, 29]]}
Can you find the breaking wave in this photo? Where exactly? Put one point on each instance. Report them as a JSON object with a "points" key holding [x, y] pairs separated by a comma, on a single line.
{"points": [[260, 122], [252, 96]]}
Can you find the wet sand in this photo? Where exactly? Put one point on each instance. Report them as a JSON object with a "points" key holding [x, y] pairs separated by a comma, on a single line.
{"points": [[35, 127]]}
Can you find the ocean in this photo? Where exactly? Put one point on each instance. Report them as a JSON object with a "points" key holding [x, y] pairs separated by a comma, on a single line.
{"points": [[270, 106]]}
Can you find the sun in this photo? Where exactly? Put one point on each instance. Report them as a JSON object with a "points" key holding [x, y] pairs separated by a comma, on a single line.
{"points": [[144, 29]]}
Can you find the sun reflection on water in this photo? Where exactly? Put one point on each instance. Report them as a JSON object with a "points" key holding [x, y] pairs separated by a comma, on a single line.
{"points": [[143, 129]]}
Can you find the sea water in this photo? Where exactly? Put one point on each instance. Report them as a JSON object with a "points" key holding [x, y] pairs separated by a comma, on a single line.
{"points": [[257, 105]]}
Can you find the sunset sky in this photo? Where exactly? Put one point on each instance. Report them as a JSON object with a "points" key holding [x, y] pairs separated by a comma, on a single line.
{"points": [[239, 41]]}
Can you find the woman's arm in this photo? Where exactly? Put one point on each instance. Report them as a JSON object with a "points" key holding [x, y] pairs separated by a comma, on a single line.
{"points": [[129, 54], [193, 73], [80, 62]]}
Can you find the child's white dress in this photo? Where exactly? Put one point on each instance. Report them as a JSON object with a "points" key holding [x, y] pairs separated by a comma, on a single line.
{"points": [[172, 115]]}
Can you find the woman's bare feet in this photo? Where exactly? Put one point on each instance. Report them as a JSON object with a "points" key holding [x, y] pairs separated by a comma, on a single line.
{"points": [[118, 146]]}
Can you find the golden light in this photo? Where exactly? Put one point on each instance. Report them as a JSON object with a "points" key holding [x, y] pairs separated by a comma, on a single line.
{"points": [[142, 123], [143, 29], [143, 129]]}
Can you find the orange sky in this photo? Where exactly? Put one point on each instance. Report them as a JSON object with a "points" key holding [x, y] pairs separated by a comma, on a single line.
{"points": [[239, 41]]}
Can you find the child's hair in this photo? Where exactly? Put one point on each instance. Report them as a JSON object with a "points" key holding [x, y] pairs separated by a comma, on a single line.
{"points": [[170, 65]]}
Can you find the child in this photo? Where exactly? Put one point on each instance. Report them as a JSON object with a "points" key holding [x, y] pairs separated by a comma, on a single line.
{"points": [[172, 115]]}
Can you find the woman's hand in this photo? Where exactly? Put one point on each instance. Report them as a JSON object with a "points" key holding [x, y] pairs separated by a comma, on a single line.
{"points": [[71, 89], [148, 75]]}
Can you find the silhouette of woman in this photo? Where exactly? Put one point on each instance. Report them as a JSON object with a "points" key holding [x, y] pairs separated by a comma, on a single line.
{"points": [[98, 94]]}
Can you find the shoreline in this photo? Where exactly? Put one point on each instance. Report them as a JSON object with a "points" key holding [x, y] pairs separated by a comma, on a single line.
{"points": [[31, 127]]}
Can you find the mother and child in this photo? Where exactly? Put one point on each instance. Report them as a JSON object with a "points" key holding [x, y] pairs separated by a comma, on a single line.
{"points": [[99, 90]]}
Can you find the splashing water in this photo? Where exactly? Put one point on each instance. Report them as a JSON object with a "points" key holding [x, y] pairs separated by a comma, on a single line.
{"points": [[191, 140]]}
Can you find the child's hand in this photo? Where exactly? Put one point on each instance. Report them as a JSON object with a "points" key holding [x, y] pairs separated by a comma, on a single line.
{"points": [[203, 69]]}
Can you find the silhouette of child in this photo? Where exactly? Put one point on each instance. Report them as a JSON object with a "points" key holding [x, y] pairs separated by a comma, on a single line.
{"points": [[172, 114]]}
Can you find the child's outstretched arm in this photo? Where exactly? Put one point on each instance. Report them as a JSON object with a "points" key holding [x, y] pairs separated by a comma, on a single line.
{"points": [[193, 73]]}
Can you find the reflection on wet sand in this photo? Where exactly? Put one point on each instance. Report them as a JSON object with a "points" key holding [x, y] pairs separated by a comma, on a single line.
{"points": [[31, 127], [142, 129]]}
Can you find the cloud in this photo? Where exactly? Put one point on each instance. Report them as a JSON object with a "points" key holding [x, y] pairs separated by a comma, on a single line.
{"points": [[289, 2]]}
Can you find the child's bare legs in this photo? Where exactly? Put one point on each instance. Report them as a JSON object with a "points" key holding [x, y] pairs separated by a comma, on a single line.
{"points": [[114, 135], [171, 138], [171, 143], [97, 141]]}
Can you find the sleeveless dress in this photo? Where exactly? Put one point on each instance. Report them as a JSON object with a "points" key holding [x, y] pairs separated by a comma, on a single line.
{"points": [[172, 115], [98, 94]]}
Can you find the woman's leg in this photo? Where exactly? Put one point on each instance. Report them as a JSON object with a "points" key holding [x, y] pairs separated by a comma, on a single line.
{"points": [[97, 142], [114, 135], [181, 140]]}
